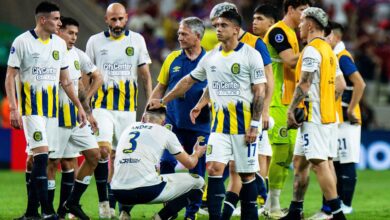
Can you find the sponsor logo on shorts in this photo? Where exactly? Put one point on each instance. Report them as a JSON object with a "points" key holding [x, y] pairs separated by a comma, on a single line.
{"points": [[251, 162], [130, 51], [37, 136], [209, 149], [235, 68], [283, 132], [56, 55]]}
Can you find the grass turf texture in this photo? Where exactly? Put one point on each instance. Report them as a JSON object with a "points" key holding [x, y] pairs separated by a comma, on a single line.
{"points": [[371, 200]]}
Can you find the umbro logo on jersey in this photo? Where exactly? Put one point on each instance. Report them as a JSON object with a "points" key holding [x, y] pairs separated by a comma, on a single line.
{"points": [[35, 55], [279, 38], [103, 52], [213, 69], [56, 55], [176, 69], [130, 51]]}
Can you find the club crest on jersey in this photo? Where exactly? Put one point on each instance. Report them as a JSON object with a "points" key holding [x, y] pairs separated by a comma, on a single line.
{"points": [[130, 51], [235, 68], [283, 132], [37, 136], [76, 65], [56, 55]]}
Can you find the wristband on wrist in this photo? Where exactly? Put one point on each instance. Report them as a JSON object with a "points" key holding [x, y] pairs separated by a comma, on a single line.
{"points": [[162, 102], [255, 124]]}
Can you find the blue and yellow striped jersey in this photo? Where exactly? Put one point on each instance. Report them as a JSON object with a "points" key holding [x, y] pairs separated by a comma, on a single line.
{"points": [[230, 77], [118, 61], [39, 63]]}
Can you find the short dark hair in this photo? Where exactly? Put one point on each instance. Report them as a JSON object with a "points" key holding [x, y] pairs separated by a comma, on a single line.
{"points": [[295, 4], [68, 21], [336, 26], [46, 7], [268, 11], [233, 16], [161, 110]]}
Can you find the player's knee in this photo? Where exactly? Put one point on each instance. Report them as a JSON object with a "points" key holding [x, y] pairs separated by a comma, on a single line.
{"points": [[246, 177], [67, 164], [214, 169], [93, 157], [105, 150], [198, 181]]}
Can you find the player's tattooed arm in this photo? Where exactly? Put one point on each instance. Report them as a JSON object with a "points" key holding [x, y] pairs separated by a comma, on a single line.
{"points": [[302, 89], [258, 102], [85, 101]]}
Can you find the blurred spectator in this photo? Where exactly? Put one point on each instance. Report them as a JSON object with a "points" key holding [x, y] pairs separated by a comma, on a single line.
{"points": [[4, 114]]}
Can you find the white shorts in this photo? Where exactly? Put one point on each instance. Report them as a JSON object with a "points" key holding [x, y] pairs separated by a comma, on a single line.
{"points": [[334, 144], [225, 147], [313, 141], [349, 143], [177, 185], [40, 131], [71, 141], [264, 147], [111, 124]]}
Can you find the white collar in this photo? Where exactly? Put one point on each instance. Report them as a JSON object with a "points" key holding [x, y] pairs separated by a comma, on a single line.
{"points": [[339, 47]]}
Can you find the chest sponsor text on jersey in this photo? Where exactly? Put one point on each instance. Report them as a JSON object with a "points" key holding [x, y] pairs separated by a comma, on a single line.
{"points": [[226, 88], [117, 69], [44, 74]]}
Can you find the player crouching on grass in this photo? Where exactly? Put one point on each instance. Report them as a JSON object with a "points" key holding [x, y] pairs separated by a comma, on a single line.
{"points": [[135, 179]]}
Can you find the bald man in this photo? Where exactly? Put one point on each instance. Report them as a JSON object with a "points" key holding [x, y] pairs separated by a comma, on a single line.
{"points": [[122, 57]]}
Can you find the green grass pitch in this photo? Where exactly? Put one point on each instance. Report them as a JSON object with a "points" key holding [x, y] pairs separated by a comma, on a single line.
{"points": [[372, 197]]}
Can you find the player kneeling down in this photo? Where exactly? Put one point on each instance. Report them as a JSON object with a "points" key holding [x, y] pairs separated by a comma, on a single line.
{"points": [[136, 180]]}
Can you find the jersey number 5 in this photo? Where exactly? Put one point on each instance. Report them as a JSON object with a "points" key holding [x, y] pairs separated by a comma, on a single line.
{"points": [[133, 142]]}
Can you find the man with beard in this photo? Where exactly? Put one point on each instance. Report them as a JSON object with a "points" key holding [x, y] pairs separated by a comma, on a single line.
{"points": [[121, 55]]}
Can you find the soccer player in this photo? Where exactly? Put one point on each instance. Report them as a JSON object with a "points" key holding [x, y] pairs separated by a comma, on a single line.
{"points": [[36, 65], [283, 47], [178, 64], [136, 180], [350, 122], [264, 16], [236, 78], [121, 55], [317, 69], [71, 138]]}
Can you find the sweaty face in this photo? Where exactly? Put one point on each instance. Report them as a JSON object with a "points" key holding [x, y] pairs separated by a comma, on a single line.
{"points": [[225, 29], [261, 24], [116, 21], [51, 22], [69, 34], [186, 37]]}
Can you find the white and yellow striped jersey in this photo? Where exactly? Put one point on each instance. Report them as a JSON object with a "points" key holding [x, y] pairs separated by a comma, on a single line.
{"points": [[39, 63], [118, 60], [230, 78], [79, 63]]}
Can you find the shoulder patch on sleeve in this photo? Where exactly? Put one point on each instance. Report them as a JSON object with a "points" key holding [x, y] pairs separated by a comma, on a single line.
{"points": [[279, 38]]}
